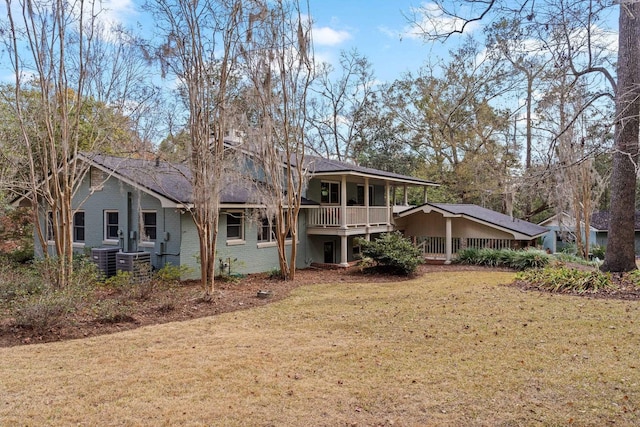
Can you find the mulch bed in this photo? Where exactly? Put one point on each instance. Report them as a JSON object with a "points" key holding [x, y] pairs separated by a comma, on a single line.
{"points": [[184, 302]]}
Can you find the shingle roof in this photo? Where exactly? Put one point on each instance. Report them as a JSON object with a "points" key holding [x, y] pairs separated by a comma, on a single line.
{"points": [[600, 220], [163, 178], [319, 165], [487, 216], [493, 217], [171, 180]]}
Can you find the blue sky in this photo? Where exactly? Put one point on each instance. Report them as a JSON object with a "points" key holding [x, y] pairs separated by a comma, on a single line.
{"points": [[379, 30]]}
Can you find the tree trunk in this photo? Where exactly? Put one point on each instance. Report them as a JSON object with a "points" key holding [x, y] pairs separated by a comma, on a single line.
{"points": [[620, 255]]}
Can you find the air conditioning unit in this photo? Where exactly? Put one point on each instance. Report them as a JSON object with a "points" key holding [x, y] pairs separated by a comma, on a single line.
{"points": [[137, 263], [105, 259]]}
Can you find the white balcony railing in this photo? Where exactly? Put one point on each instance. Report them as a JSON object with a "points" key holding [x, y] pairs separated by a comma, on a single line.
{"points": [[355, 216]]}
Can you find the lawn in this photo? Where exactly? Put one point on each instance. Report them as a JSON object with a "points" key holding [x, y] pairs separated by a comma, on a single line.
{"points": [[454, 348]]}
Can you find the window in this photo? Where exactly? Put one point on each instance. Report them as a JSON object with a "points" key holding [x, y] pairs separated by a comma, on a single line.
{"points": [[330, 192], [111, 225], [266, 229], [149, 226], [235, 226], [78, 227], [49, 227], [360, 195]]}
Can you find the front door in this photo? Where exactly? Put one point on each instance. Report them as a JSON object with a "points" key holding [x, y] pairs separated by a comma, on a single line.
{"points": [[329, 256]]}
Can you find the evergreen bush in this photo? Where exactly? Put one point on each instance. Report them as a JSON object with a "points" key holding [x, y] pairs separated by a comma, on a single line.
{"points": [[509, 258], [392, 253]]}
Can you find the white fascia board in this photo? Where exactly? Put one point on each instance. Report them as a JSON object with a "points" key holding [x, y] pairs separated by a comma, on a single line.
{"points": [[379, 177], [427, 208]]}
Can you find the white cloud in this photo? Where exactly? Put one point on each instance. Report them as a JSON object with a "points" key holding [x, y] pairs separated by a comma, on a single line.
{"points": [[326, 36], [117, 12]]}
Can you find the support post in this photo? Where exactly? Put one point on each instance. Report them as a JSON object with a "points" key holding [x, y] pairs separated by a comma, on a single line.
{"points": [[343, 252], [448, 245], [388, 197], [343, 202]]}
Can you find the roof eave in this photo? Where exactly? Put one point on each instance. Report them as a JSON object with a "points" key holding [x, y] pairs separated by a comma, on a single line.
{"points": [[165, 202], [408, 181]]}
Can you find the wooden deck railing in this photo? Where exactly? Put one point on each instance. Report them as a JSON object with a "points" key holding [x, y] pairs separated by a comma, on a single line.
{"points": [[436, 246], [356, 216]]}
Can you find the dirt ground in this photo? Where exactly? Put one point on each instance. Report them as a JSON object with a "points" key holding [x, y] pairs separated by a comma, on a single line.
{"points": [[184, 302]]}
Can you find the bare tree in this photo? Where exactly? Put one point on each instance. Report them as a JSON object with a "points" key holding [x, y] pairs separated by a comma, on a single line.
{"points": [[567, 22], [578, 184], [336, 106], [58, 51], [200, 42], [279, 66]]}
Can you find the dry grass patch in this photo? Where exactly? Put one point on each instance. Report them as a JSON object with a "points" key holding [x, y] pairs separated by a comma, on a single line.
{"points": [[444, 349]]}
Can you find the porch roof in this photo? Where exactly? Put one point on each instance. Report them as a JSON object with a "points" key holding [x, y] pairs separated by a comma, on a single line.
{"points": [[519, 228], [319, 166]]}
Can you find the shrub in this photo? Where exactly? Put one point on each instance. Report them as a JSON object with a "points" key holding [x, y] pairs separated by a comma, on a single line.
{"points": [[85, 273], [275, 273], [575, 259], [43, 312], [392, 253], [17, 282], [467, 256], [130, 286], [634, 276], [564, 279], [598, 251], [533, 258], [112, 311], [121, 280], [171, 274], [509, 258]]}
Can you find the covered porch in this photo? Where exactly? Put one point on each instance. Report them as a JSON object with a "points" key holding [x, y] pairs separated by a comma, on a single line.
{"points": [[354, 205], [440, 230], [436, 248]]}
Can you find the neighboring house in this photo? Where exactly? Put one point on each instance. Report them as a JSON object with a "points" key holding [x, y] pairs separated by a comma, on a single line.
{"points": [[442, 229], [142, 205], [562, 230]]}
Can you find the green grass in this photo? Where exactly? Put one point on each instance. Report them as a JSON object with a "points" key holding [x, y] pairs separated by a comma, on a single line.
{"points": [[445, 349]]}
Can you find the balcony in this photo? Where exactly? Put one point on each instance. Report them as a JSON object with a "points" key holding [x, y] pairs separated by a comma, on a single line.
{"points": [[355, 218]]}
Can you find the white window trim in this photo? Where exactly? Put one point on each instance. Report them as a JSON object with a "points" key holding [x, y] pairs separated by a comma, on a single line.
{"points": [[105, 239], [50, 242], [273, 244], [237, 241], [74, 243], [77, 243], [339, 184], [148, 243]]}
